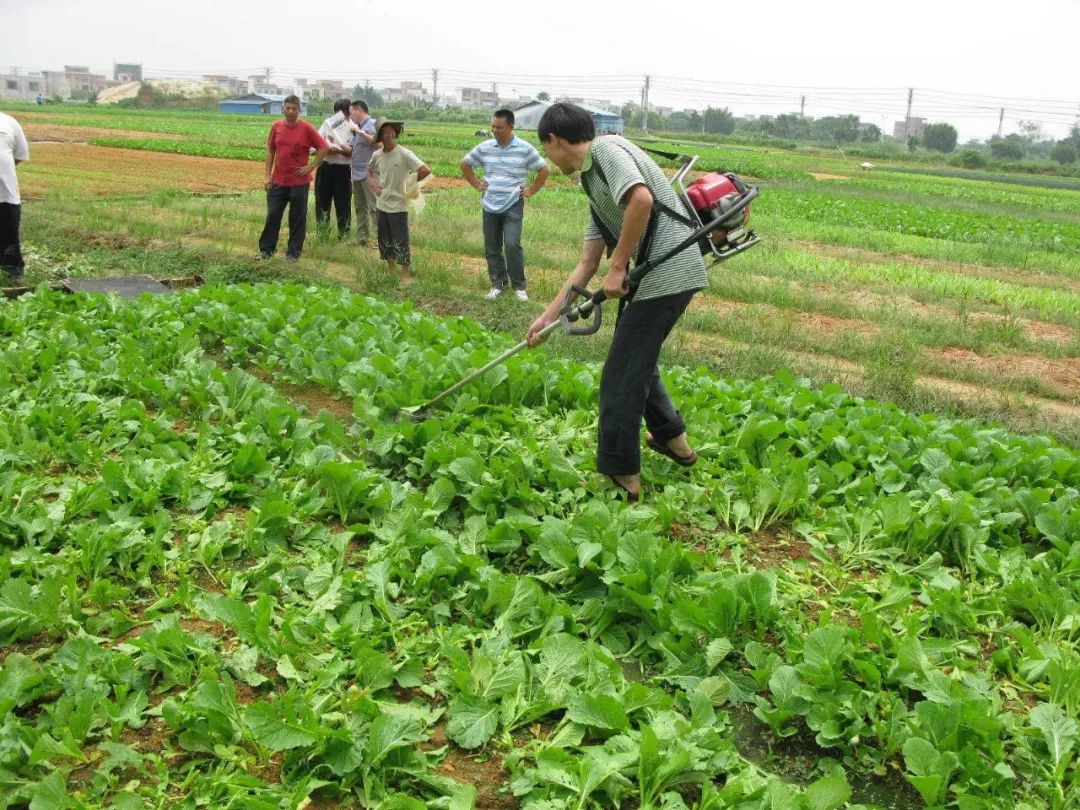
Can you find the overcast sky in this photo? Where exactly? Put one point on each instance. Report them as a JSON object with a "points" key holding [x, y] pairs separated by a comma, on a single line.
{"points": [[845, 56]]}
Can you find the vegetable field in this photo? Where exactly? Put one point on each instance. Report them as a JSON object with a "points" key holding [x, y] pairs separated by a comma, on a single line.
{"points": [[231, 578]]}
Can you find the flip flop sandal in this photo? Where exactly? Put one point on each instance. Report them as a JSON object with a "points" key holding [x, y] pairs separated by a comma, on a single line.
{"points": [[664, 450], [631, 497]]}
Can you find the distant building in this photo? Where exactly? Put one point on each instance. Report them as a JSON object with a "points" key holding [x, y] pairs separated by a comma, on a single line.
{"points": [[227, 84], [475, 97], [125, 72], [407, 93], [320, 88], [25, 86], [903, 129], [257, 104], [528, 117], [74, 81]]}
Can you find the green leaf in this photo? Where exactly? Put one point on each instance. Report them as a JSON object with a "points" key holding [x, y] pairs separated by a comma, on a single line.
{"points": [[51, 793], [828, 793], [472, 721], [717, 651], [281, 725], [1058, 730], [599, 711]]}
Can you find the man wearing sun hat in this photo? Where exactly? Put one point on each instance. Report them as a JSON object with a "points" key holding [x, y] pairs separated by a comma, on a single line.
{"points": [[387, 172]]}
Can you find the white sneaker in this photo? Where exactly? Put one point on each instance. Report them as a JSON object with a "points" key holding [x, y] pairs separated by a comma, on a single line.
{"points": [[521, 295], [495, 293]]}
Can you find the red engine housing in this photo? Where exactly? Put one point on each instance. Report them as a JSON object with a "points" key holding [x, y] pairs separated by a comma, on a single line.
{"points": [[712, 195]]}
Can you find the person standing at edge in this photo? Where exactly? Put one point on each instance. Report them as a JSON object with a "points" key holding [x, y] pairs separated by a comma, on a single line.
{"points": [[622, 184], [506, 160], [333, 182], [288, 175], [362, 150], [387, 172], [13, 151]]}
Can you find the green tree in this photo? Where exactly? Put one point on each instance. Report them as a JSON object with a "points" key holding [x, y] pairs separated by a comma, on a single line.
{"points": [[719, 121], [870, 133], [971, 159], [1006, 149], [939, 137], [787, 125], [543, 96], [836, 129], [367, 93], [1064, 153], [1073, 137]]}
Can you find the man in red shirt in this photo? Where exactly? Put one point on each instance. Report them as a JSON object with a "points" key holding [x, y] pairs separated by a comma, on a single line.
{"points": [[288, 175]]}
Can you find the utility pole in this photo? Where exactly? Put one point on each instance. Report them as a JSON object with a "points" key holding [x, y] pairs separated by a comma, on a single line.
{"points": [[645, 106], [907, 118], [435, 86], [802, 107], [1001, 121]]}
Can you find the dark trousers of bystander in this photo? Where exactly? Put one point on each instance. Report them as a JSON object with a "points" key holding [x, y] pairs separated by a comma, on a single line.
{"points": [[394, 237], [277, 198], [333, 184], [11, 260], [630, 386], [502, 232]]}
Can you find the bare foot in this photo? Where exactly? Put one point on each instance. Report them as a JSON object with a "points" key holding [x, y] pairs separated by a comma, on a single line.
{"points": [[630, 483], [679, 445]]}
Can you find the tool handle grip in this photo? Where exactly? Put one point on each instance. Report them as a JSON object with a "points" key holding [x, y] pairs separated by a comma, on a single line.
{"points": [[588, 309]]}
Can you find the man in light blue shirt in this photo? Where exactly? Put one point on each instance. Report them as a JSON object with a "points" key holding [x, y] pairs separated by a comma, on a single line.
{"points": [[362, 150], [506, 161]]}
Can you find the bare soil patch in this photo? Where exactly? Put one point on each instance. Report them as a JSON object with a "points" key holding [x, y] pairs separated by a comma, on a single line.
{"points": [[1028, 278], [1063, 373], [63, 133], [99, 171], [827, 176], [486, 775]]}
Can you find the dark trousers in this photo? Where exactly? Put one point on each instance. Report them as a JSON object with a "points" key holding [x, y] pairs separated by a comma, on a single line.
{"points": [[393, 236], [276, 199], [11, 260], [630, 386], [504, 231], [333, 183]]}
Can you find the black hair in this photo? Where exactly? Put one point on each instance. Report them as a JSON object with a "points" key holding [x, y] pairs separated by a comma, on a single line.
{"points": [[361, 104], [293, 99], [505, 114], [342, 105], [568, 121]]}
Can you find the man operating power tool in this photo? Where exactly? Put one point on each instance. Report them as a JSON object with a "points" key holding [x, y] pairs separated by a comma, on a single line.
{"points": [[628, 199]]}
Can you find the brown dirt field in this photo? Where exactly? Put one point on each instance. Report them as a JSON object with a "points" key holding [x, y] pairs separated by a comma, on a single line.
{"points": [[63, 133], [813, 322], [101, 171], [1028, 278], [1063, 373], [487, 776], [1033, 330], [445, 182], [848, 373], [826, 176]]}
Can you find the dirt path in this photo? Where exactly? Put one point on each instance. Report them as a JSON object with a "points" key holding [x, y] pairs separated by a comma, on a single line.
{"points": [[63, 133], [98, 171], [1027, 278]]}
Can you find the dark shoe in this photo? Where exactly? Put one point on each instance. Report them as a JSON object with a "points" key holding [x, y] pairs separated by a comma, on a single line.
{"points": [[664, 450], [290, 258], [264, 256], [631, 497]]}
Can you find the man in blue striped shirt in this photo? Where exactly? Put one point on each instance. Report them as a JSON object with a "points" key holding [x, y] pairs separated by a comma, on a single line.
{"points": [[506, 161]]}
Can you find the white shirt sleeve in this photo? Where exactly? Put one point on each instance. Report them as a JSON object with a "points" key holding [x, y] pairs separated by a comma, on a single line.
{"points": [[22, 149]]}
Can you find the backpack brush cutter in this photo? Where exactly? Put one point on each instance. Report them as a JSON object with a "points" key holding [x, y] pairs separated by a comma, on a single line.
{"points": [[717, 209]]}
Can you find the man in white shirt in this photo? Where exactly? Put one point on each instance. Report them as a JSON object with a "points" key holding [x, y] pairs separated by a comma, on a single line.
{"points": [[13, 151], [333, 182]]}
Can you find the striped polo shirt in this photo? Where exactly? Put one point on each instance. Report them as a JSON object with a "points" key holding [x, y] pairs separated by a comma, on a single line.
{"points": [[505, 169], [624, 166]]}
